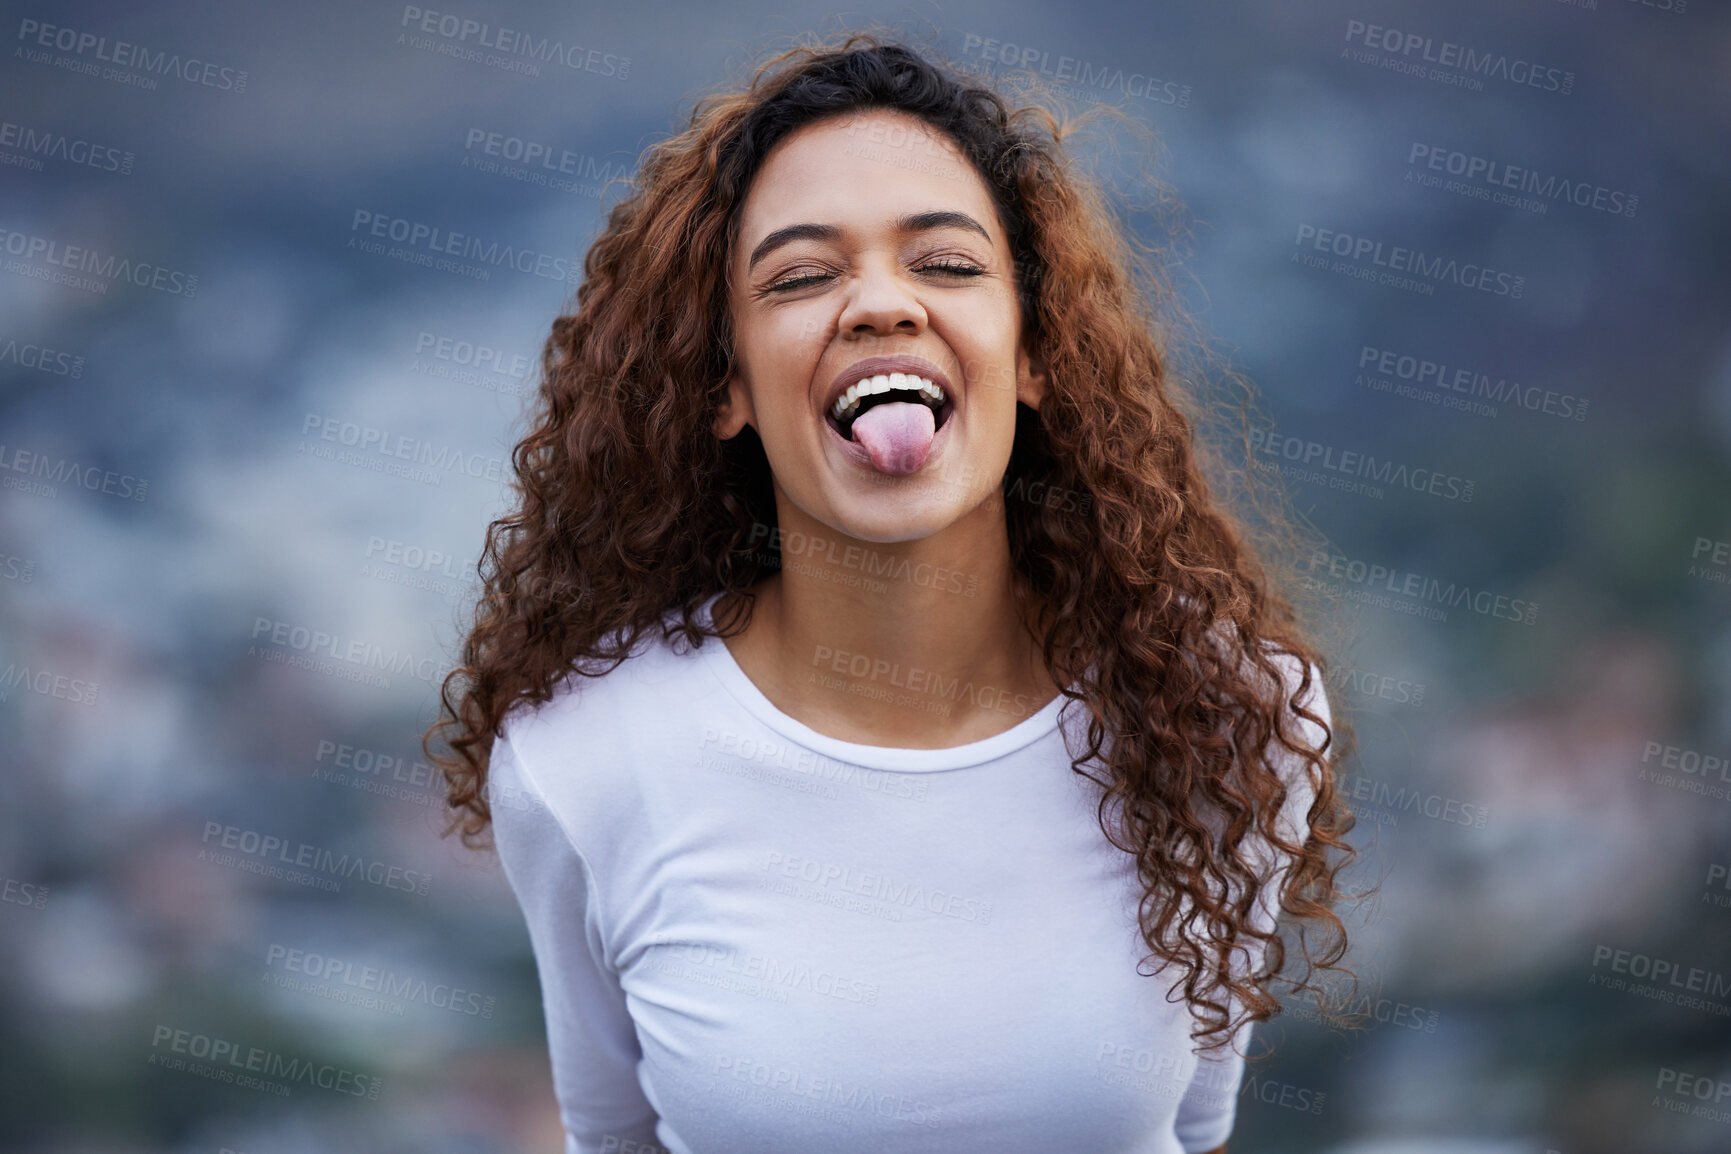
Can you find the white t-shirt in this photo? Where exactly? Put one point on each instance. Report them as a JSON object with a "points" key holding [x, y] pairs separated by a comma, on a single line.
{"points": [[756, 939]]}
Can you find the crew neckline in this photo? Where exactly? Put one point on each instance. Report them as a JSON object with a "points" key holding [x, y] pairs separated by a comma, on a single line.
{"points": [[721, 662]]}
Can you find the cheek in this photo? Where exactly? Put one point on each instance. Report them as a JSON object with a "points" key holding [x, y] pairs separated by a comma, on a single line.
{"points": [[788, 342], [987, 354], [806, 332]]}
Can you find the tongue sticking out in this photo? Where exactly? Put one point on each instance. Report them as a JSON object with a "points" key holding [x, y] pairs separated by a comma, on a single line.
{"points": [[897, 434]]}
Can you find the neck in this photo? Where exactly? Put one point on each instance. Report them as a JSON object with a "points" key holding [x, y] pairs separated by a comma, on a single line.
{"points": [[915, 643]]}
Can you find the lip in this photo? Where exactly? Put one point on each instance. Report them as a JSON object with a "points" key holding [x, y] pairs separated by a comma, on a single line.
{"points": [[874, 366]]}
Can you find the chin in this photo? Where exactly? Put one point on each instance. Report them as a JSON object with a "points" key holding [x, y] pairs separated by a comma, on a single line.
{"points": [[891, 519]]}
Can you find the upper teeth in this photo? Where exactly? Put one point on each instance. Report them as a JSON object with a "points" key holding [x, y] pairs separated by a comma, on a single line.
{"points": [[883, 382]]}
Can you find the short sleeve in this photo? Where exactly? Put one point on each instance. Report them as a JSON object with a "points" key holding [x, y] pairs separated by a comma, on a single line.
{"points": [[1209, 1107], [590, 1036]]}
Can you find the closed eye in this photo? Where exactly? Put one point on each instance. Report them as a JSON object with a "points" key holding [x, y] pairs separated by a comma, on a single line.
{"points": [[948, 268], [951, 267]]}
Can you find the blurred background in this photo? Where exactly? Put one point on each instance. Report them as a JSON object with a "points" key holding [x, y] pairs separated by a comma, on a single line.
{"points": [[1476, 258]]}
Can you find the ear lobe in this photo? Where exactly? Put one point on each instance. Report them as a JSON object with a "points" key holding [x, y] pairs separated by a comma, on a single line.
{"points": [[735, 412], [1031, 380]]}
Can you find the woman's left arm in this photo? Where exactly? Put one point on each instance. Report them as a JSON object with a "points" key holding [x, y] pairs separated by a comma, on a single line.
{"points": [[1208, 1108]]}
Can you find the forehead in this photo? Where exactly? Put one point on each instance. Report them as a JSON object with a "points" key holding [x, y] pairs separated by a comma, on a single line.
{"points": [[860, 171]]}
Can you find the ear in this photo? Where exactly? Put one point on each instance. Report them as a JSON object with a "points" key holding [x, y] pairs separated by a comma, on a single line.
{"points": [[1031, 380], [736, 411]]}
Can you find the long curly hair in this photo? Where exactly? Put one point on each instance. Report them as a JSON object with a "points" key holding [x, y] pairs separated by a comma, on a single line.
{"points": [[1146, 592]]}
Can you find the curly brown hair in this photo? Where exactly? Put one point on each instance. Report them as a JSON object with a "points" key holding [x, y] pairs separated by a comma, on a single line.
{"points": [[1148, 595]]}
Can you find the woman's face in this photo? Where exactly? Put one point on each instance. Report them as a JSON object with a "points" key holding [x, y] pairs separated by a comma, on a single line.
{"points": [[870, 235]]}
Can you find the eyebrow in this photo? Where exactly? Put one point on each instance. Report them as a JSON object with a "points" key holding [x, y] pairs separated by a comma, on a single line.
{"points": [[912, 222]]}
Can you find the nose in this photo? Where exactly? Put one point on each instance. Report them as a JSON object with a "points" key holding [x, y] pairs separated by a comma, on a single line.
{"points": [[881, 301]]}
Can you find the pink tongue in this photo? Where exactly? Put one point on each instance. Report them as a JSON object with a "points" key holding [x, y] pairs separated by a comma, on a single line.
{"points": [[897, 434]]}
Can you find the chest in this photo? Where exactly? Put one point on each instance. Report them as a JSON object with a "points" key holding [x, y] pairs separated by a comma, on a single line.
{"points": [[928, 967]]}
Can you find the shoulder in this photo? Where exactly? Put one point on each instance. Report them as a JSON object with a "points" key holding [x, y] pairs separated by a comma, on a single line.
{"points": [[586, 727], [1301, 689], [1299, 748], [593, 686], [1296, 690]]}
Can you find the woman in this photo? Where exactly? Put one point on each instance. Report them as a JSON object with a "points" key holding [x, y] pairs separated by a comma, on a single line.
{"points": [[858, 389]]}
